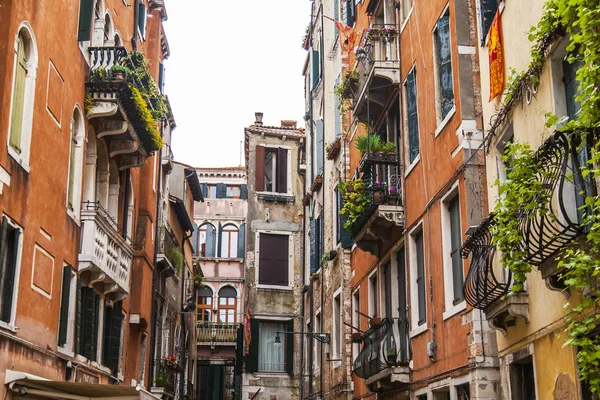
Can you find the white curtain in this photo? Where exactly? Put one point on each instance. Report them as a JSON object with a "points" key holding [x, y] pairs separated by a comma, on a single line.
{"points": [[270, 357]]}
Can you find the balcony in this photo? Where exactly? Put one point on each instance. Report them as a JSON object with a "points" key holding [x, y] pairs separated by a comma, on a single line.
{"points": [[215, 334], [483, 289], [169, 256], [104, 252], [378, 69], [379, 213], [384, 358], [124, 104], [165, 376]]}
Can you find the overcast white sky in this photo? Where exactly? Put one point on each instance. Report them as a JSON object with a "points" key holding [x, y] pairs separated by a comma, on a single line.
{"points": [[228, 60]]}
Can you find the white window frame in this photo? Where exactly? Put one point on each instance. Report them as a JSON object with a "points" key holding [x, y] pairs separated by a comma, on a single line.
{"points": [[290, 285], [337, 331], [289, 191], [404, 18], [75, 212], [29, 96], [450, 308], [416, 329]]}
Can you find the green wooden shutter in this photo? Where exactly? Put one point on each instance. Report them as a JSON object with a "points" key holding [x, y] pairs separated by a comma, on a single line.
{"points": [[64, 306], [211, 241], [244, 192], [456, 243], [487, 13], [242, 241], [420, 278], [86, 13], [3, 243], [260, 169], [114, 333], [78, 318], [142, 19], [289, 348], [282, 176], [221, 191], [313, 246], [219, 233], [8, 286], [252, 357], [350, 12], [161, 77], [195, 240], [204, 188], [315, 59], [571, 87], [444, 64], [413, 119], [108, 315], [346, 235], [89, 337], [18, 101]]}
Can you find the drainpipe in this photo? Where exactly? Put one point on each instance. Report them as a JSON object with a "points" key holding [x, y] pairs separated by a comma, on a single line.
{"points": [[303, 261], [155, 276], [126, 204], [322, 61]]}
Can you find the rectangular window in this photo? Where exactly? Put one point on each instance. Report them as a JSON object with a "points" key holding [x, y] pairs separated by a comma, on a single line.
{"points": [[356, 321], [319, 147], [212, 191], [315, 58], [406, 7], [10, 237], [317, 345], [227, 308], [373, 294], [273, 264], [111, 344], [233, 192], [271, 358], [456, 244], [443, 59], [522, 379], [487, 11], [67, 308], [315, 245], [410, 86], [271, 169], [204, 305], [71, 187], [142, 19], [18, 100], [86, 12], [337, 327]]}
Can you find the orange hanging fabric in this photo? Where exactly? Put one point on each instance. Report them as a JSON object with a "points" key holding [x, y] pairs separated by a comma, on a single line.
{"points": [[496, 57]]}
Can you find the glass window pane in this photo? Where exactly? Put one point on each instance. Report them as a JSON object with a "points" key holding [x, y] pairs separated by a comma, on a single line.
{"points": [[212, 192], [225, 244], [231, 301], [222, 301], [233, 245], [270, 357]]}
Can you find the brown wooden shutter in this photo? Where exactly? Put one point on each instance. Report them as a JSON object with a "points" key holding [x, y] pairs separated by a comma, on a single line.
{"points": [[282, 170], [273, 260], [260, 168]]}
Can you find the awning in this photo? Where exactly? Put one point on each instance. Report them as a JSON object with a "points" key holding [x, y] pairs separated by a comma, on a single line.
{"points": [[24, 383]]}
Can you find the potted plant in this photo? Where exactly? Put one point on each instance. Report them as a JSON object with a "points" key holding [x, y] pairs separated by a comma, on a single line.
{"points": [[389, 148], [356, 337], [368, 143], [349, 85], [389, 34], [393, 196], [317, 183], [119, 72], [333, 149], [391, 354], [373, 34], [379, 190], [374, 322]]}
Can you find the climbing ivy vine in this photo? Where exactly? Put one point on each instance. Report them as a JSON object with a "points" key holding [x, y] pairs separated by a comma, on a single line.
{"points": [[522, 191]]}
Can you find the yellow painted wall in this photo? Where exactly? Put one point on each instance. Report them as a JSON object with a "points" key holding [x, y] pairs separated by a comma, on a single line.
{"points": [[552, 360]]}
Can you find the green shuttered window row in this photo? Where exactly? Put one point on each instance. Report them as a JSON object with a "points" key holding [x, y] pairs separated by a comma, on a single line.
{"points": [[413, 118]]}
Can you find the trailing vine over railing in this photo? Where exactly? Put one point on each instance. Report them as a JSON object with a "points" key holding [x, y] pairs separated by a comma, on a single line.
{"points": [[523, 191]]}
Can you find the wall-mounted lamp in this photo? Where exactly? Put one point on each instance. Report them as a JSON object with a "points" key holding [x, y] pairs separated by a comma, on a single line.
{"points": [[318, 336]]}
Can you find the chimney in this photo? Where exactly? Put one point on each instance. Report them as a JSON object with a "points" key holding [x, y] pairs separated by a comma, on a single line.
{"points": [[258, 118], [288, 123]]}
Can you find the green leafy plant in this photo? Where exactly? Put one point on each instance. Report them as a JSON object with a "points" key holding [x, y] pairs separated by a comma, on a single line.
{"points": [[324, 260], [388, 147], [355, 202], [146, 117], [369, 142], [177, 259], [346, 89], [88, 101]]}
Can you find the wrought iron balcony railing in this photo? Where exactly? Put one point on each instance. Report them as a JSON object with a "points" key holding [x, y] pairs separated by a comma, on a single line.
{"points": [[104, 250], [383, 349], [546, 231], [209, 332], [165, 374], [481, 287], [169, 251]]}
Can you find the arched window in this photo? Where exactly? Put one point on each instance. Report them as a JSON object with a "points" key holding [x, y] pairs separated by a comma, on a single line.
{"points": [[204, 304], [24, 77], [207, 240], [76, 134], [227, 305], [229, 241]]}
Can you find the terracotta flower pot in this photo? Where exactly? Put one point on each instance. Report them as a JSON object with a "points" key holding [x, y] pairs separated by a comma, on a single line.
{"points": [[378, 197], [375, 321], [356, 337]]}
